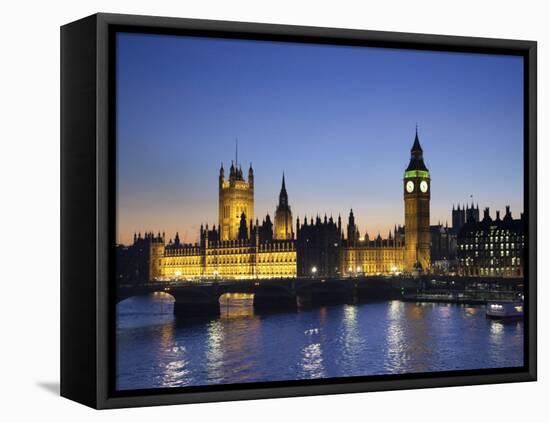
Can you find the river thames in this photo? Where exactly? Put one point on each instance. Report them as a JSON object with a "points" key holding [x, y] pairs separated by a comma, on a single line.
{"points": [[157, 350]]}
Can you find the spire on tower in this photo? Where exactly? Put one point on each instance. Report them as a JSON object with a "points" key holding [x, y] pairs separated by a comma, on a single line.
{"points": [[417, 159], [416, 145], [236, 152], [283, 196]]}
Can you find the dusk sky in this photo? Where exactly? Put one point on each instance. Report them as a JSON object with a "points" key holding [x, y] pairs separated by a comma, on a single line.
{"points": [[339, 121]]}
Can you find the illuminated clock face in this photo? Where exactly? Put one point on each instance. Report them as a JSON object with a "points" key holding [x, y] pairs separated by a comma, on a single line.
{"points": [[423, 186], [410, 186]]}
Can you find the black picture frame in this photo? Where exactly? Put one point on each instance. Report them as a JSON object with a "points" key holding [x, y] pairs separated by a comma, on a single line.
{"points": [[88, 215]]}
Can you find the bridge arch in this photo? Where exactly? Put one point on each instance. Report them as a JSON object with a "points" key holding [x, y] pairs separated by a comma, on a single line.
{"points": [[145, 307], [205, 301], [126, 295]]}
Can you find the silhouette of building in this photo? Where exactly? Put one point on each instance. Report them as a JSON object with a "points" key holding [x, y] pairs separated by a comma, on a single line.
{"points": [[492, 247], [464, 214], [142, 261], [443, 248], [458, 218], [444, 239], [443, 243], [317, 247], [472, 214]]}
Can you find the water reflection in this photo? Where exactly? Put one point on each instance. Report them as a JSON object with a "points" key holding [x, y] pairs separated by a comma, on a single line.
{"points": [[214, 351], [396, 353], [176, 373], [497, 331], [444, 311], [236, 305], [352, 341], [470, 311], [312, 362], [233, 341], [154, 350], [167, 338], [172, 355]]}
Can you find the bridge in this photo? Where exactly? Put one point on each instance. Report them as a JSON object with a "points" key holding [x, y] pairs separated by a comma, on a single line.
{"points": [[201, 298]]}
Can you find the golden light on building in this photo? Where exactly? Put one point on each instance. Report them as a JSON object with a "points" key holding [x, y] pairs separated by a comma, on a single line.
{"points": [[239, 259], [241, 248], [283, 216], [236, 197]]}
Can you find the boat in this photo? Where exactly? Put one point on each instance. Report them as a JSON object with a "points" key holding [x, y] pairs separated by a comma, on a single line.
{"points": [[504, 309]]}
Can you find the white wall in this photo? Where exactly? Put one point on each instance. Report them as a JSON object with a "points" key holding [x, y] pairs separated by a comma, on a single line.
{"points": [[29, 194]]}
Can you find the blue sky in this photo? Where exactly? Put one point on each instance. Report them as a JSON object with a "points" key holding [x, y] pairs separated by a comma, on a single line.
{"points": [[339, 121]]}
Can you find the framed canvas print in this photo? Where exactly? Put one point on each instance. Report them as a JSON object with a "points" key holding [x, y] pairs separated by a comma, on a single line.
{"points": [[255, 211]]}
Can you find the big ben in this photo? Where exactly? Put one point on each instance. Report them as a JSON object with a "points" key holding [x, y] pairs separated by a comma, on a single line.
{"points": [[416, 190]]}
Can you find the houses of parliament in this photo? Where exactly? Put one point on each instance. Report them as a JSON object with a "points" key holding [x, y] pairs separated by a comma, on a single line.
{"points": [[240, 246]]}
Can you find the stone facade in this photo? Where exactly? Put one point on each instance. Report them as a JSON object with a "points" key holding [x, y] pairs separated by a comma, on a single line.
{"points": [[283, 216], [236, 196], [239, 259], [244, 249], [416, 190]]}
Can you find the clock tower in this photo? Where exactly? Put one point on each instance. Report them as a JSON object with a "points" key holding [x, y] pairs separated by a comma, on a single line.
{"points": [[416, 190]]}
